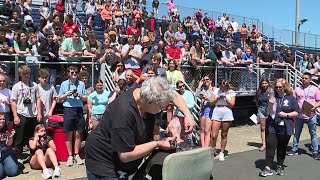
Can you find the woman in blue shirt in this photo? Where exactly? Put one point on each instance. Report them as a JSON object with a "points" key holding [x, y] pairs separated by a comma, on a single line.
{"points": [[97, 102]]}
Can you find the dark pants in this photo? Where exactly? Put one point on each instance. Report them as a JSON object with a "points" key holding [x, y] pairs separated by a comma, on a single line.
{"points": [[92, 176], [275, 142], [24, 131]]}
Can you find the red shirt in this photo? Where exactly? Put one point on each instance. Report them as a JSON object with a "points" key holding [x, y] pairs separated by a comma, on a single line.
{"points": [[69, 29], [175, 53], [152, 24], [132, 31]]}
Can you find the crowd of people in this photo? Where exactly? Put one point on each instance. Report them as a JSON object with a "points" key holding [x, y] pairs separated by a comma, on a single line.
{"points": [[144, 54]]}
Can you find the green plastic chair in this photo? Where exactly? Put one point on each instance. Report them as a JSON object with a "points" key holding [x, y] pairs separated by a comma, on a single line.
{"points": [[195, 164]]}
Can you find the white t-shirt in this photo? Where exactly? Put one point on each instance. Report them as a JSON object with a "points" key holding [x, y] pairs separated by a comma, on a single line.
{"points": [[131, 62], [235, 26], [4, 96], [229, 94], [46, 94]]}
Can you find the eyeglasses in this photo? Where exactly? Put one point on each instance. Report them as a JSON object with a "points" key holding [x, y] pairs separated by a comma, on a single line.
{"points": [[278, 87], [73, 72], [206, 79], [181, 86]]}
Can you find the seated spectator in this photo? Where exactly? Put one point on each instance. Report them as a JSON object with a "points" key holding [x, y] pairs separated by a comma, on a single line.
{"points": [[93, 46], [97, 102], [186, 52], [44, 11], [290, 58], [48, 47], [42, 150], [173, 74], [132, 55], [311, 69], [6, 45], [304, 63], [227, 55], [133, 29], [15, 23], [162, 48], [6, 10], [70, 27], [130, 80], [168, 35], [19, 8], [197, 53], [180, 37], [74, 46], [91, 11], [119, 73], [21, 45], [8, 163], [28, 25], [50, 27], [210, 56], [173, 52], [156, 64]]}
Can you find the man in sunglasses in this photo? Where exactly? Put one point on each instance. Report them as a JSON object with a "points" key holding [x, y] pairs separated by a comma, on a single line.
{"points": [[72, 93]]}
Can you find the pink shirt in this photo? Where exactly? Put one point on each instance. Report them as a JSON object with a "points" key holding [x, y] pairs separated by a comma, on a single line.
{"points": [[310, 94], [170, 5]]}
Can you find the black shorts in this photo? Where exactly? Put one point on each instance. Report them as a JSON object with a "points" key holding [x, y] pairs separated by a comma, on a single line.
{"points": [[73, 119]]}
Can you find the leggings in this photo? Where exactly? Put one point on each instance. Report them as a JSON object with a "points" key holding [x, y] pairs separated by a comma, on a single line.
{"points": [[275, 142]]}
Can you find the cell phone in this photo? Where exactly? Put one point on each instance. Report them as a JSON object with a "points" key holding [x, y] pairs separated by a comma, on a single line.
{"points": [[10, 127]]}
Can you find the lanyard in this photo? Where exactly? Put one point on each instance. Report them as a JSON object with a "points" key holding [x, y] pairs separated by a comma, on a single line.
{"points": [[279, 104], [304, 92]]}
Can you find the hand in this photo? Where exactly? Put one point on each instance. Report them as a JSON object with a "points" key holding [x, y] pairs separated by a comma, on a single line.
{"points": [[49, 113], [12, 133], [52, 55], [223, 95], [93, 50], [282, 114], [189, 124], [145, 51], [131, 46], [16, 120], [201, 83], [69, 93], [202, 61], [73, 53], [272, 100], [165, 143], [39, 117]]}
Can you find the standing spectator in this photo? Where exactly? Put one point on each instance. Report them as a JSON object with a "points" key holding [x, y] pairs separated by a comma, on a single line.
{"points": [[118, 19], [42, 150], [72, 93], [181, 37], [247, 60], [97, 103], [8, 163], [74, 47], [44, 14], [243, 34], [91, 11], [290, 58], [224, 99], [168, 34], [163, 26], [155, 7], [18, 8], [234, 25], [133, 30], [48, 95], [131, 54], [264, 93], [304, 63], [106, 14], [196, 31], [70, 27], [150, 25], [173, 52], [199, 16], [282, 109], [218, 25], [119, 72], [205, 92], [307, 93], [26, 108], [127, 14], [206, 20], [4, 97]]}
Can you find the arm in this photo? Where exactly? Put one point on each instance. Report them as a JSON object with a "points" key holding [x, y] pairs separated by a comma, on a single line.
{"points": [[89, 103], [9, 140], [52, 145], [39, 116], [179, 102], [33, 143]]}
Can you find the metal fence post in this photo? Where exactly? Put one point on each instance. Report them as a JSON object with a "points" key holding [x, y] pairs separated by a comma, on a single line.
{"points": [[316, 41], [258, 76], [92, 72], [16, 67], [216, 76]]}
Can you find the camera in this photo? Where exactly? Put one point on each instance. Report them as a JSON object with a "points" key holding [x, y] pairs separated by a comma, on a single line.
{"points": [[74, 92], [173, 143], [27, 101]]}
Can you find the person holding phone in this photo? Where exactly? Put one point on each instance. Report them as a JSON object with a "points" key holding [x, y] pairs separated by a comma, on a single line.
{"points": [[282, 109], [204, 92], [8, 163], [42, 150]]}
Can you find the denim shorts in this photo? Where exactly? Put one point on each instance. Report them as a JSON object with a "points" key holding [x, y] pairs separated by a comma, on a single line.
{"points": [[222, 114], [206, 112], [262, 111]]}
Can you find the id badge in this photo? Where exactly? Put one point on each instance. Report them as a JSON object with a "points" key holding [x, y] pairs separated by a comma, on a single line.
{"points": [[281, 123]]}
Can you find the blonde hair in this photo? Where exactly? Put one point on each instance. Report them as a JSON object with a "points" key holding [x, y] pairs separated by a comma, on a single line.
{"points": [[23, 69], [38, 127]]}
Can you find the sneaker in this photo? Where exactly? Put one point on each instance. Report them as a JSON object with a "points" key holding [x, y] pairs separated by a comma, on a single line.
{"points": [[291, 153], [214, 152], [316, 156], [57, 172], [279, 170], [46, 174], [78, 160], [70, 161], [266, 172], [220, 156]]}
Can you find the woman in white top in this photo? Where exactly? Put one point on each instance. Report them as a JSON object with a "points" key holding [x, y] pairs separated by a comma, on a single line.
{"points": [[90, 12], [4, 97], [224, 99]]}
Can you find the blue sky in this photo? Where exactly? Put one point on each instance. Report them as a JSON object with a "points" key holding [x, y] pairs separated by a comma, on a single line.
{"points": [[277, 13]]}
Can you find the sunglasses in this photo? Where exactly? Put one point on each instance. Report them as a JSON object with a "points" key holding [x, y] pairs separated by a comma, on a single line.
{"points": [[278, 87], [181, 86], [73, 72], [206, 79]]}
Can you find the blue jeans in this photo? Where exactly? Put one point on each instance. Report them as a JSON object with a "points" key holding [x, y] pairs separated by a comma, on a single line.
{"points": [[8, 167], [92, 176], [312, 126]]}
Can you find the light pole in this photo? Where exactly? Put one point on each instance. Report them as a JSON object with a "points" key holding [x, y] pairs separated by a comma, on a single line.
{"points": [[299, 22]]}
